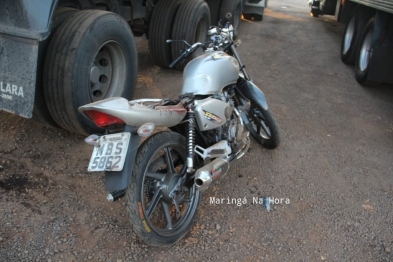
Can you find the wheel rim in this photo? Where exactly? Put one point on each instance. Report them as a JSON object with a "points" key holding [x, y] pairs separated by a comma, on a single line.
{"points": [[366, 51], [160, 183], [107, 72], [348, 37], [259, 124]]}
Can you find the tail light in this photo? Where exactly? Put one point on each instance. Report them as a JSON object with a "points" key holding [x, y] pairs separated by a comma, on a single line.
{"points": [[102, 120]]}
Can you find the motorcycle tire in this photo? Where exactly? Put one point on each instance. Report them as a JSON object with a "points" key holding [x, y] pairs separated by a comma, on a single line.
{"points": [[159, 165], [263, 127]]}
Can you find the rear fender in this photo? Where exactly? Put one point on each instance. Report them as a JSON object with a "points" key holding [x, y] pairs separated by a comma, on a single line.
{"points": [[139, 112], [118, 180]]}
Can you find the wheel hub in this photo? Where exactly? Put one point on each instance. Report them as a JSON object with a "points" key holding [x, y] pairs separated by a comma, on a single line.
{"points": [[170, 186]]}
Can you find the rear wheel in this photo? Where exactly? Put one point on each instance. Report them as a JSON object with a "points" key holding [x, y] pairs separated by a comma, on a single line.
{"points": [[90, 57], [191, 24], [157, 183], [314, 12], [41, 113], [234, 7], [364, 54], [160, 30], [348, 48]]}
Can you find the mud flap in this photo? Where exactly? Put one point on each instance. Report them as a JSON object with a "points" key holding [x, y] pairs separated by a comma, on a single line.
{"points": [[18, 66], [250, 91], [381, 64], [118, 180]]}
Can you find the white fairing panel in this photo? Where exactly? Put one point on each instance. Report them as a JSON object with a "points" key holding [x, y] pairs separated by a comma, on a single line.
{"points": [[209, 73]]}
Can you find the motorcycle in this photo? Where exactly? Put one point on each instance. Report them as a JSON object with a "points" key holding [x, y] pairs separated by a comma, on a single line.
{"points": [[209, 127]]}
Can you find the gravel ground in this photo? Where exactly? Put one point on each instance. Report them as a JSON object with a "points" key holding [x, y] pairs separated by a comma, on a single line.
{"points": [[331, 177]]}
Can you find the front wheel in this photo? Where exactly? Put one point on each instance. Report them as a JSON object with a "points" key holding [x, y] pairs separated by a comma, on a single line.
{"points": [[263, 127], [161, 201]]}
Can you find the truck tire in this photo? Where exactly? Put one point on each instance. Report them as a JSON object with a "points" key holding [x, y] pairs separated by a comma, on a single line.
{"points": [[160, 30], [314, 12], [90, 57], [235, 8], [40, 111], [348, 44], [192, 22], [363, 55], [214, 6]]}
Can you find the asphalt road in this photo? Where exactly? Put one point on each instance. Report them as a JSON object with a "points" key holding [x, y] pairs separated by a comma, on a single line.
{"points": [[331, 177]]}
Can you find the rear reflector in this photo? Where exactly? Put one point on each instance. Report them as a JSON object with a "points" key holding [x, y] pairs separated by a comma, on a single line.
{"points": [[102, 120]]}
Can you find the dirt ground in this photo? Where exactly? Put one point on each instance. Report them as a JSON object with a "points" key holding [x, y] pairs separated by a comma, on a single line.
{"points": [[331, 177]]}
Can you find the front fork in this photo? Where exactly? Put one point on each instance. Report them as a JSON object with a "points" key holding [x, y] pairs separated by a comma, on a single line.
{"points": [[242, 66]]}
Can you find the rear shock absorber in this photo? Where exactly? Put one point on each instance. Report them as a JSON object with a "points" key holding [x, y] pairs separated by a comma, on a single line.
{"points": [[190, 140]]}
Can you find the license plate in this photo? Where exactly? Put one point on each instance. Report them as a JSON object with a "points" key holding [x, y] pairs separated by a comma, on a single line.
{"points": [[111, 153]]}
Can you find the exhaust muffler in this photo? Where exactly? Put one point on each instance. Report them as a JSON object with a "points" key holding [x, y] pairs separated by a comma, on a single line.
{"points": [[208, 174]]}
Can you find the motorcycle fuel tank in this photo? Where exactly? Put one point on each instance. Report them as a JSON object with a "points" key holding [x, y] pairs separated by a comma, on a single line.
{"points": [[209, 73]]}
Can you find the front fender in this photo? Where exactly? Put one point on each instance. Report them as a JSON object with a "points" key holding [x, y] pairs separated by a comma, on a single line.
{"points": [[250, 91]]}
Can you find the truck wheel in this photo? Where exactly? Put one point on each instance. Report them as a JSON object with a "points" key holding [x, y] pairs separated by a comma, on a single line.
{"points": [[160, 30], [90, 57], [364, 54], [349, 40], [254, 17], [234, 7], [40, 111], [192, 22], [214, 6], [314, 12]]}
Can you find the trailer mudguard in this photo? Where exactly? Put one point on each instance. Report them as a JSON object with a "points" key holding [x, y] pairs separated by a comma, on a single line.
{"points": [[23, 23]]}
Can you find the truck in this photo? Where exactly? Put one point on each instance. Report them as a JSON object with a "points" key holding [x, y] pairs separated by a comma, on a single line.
{"points": [[367, 40], [57, 55]]}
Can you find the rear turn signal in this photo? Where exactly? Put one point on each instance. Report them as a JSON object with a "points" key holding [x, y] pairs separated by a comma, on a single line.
{"points": [[102, 120]]}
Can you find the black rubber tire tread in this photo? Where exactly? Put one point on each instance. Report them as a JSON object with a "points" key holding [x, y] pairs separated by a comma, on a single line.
{"points": [[40, 111], [247, 16], [231, 6], [190, 13], [350, 56], [215, 7], [314, 13], [254, 17], [160, 30], [274, 140], [362, 76], [63, 68], [133, 193]]}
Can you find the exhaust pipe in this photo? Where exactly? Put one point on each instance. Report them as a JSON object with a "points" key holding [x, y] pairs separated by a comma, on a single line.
{"points": [[208, 174]]}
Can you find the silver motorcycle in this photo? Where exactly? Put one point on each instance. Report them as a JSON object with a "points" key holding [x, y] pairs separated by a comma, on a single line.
{"points": [[209, 127]]}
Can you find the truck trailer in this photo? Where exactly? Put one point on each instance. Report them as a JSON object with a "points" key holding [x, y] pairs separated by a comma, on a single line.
{"points": [[57, 55], [367, 41]]}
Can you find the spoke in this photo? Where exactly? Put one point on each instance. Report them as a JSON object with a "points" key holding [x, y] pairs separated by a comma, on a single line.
{"points": [[169, 160], [157, 176], [167, 214], [153, 203]]}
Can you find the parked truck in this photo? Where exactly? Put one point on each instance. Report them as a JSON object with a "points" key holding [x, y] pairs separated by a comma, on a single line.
{"points": [[367, 40], [57, 55]]}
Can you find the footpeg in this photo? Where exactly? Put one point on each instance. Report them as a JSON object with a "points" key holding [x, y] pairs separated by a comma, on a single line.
{"points": [[217, 150]]}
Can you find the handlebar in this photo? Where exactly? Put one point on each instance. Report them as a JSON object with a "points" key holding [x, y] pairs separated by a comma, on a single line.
{"points": [[187, 52]]}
